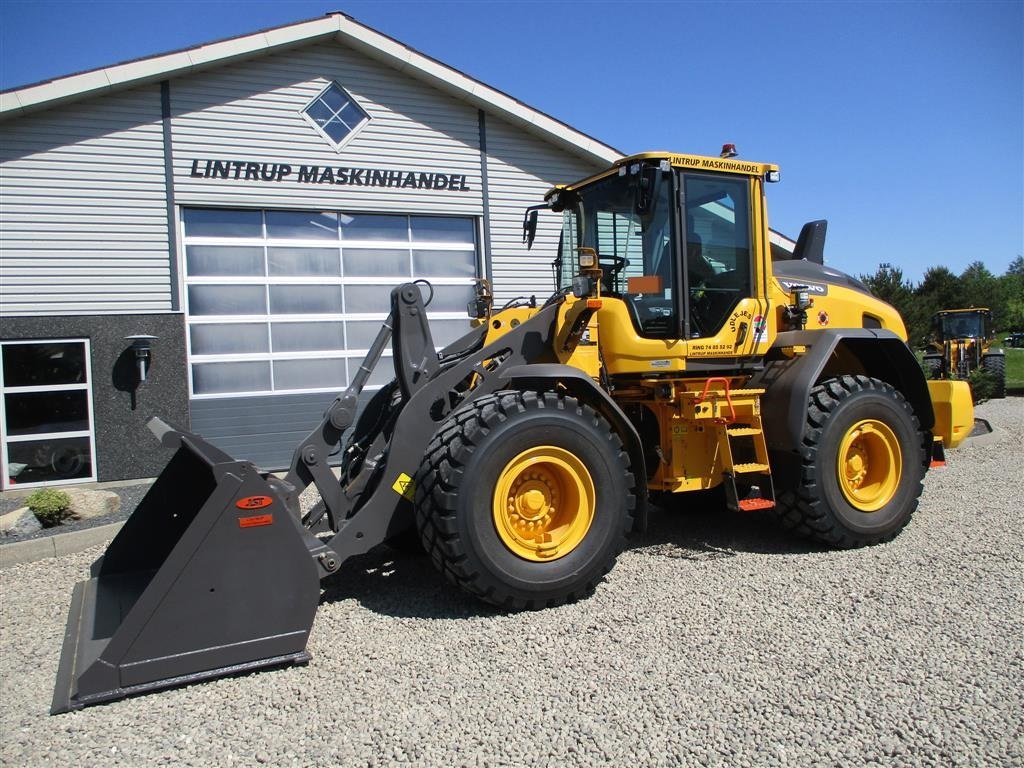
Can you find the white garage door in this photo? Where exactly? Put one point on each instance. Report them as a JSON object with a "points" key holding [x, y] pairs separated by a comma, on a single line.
{"points": [[289, 301]]}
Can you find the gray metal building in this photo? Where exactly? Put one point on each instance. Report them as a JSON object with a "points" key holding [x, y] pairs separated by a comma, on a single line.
{"points": [[250, 203]]}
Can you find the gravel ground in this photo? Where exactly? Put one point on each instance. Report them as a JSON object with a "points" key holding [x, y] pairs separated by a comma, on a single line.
{"points": [[716, 640]]}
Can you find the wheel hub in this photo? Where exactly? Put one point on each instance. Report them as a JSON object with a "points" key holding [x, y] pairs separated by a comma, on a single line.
{"points": [[543, 503], [870, 465]]}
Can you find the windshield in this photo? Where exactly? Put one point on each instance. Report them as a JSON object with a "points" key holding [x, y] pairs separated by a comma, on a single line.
{"points": [[634, 248], [963, 326]]}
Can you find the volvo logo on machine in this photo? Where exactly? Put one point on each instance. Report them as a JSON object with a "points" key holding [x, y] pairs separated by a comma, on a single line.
{"points": [[243, 170], [818, 289]]}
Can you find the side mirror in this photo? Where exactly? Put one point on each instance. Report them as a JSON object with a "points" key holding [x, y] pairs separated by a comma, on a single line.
{"points": [[645, 190], [530, 228]]}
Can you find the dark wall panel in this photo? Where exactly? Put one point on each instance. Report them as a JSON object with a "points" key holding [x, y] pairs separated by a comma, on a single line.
{"points": [[264, 430], [125, 449]]}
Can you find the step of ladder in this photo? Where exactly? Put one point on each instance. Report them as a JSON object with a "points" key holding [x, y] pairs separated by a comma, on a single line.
{"points": [[748, 484], [754, 504], [747, 468]]}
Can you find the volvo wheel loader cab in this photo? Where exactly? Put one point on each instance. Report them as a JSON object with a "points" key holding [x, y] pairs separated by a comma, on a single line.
{"points": [[673, 355], [961, 344]]}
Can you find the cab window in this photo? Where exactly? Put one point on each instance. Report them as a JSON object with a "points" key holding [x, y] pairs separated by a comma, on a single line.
{"points": [[717, 249], [634, 246]]}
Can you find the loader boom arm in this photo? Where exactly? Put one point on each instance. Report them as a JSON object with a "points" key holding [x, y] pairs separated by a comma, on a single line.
{"points": [[375, 505]]}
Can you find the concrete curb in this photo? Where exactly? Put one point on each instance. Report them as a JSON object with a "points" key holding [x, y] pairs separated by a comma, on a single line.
{"points": [[997, 435], [56, 545]]}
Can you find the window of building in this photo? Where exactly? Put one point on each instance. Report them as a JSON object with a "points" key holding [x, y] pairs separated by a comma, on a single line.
{"points": [[290, 301], [336, 114], [46, 418]]}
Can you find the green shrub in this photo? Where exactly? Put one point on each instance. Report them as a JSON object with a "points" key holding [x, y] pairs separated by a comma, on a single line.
{"points": [[49, 506], [983, 385]]}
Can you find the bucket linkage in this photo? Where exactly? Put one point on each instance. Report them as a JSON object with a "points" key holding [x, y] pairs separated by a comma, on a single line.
{"points": [[217, 571]]}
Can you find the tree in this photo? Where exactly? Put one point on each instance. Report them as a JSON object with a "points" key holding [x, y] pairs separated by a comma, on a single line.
{"points": [[1011, 288], [980, 288], [940, 289], [888, 284]]}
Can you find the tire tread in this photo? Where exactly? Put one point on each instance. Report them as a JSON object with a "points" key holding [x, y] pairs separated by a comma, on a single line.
{"points": [[804, 509], [442, 475]]}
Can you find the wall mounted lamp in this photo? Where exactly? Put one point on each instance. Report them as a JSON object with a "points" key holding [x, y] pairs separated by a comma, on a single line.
{"points": [[143, 345]]}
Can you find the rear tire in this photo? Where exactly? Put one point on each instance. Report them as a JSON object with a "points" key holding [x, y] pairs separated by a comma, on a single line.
{"points": [[525, 499], [995, 366], [862, 463], [933, 367]]}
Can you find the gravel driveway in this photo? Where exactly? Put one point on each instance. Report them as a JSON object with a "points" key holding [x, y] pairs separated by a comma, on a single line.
{"points": [[716, 640]]}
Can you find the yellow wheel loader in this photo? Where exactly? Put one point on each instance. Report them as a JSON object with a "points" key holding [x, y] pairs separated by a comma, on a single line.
{"points": [[672, 355], [961, 344]]}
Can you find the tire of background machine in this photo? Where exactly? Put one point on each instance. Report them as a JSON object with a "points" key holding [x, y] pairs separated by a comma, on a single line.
{"points": [[817, 508], [456, 485], [995, 366], [933, 367]]}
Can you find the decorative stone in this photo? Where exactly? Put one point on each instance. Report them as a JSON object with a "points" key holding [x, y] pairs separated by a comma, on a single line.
{"points": [[20, 522], [92, 503]]}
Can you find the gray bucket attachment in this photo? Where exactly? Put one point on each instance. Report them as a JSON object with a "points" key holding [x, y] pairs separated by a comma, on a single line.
{"points": [[210, 576]]}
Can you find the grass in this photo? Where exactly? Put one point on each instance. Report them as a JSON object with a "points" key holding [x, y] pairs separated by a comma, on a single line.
{"points": [[1015, 371]]}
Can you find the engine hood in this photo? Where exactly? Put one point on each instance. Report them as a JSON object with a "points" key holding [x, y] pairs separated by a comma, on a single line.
{"points": [[815, 276]]}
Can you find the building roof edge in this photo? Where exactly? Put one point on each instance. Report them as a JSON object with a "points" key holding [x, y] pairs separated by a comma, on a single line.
{"points": [[335, 25]]}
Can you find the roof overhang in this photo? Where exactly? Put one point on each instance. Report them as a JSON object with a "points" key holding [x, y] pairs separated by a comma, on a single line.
{"points": [[333, 27]]}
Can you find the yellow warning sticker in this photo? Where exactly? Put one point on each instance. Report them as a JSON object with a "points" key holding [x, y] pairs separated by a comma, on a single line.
{"points": [[405, 487]]}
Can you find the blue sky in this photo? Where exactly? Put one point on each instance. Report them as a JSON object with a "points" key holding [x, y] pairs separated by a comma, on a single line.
{"points": [[900, 122]]}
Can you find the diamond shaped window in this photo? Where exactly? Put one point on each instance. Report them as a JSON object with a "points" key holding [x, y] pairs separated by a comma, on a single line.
{"points": [[336, 114]]}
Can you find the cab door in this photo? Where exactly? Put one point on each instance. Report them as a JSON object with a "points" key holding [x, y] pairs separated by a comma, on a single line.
{"points": [[722, 315]]}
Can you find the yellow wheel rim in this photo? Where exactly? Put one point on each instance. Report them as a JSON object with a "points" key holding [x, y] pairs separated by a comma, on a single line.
{"points": [[543, 503], [870, 465]]}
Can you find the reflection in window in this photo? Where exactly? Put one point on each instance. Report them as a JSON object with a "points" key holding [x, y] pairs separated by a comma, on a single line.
{"points": [[214, 260], [222, 222], [297, 374], [302, 225], [211, 378], [370, 262], [336, 113], [227, 300], [444, 263], [46, 399], [308, 337], [44, 364], [39, 412], [441, 229], [362, 226], [229, 338], [278, 300], [303, 261], [305, 299], [718, 249]]}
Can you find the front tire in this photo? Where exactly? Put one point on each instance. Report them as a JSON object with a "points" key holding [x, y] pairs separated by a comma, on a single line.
{"points": [[995, 366], [525, 499], [933, 367], [862, 463]]}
